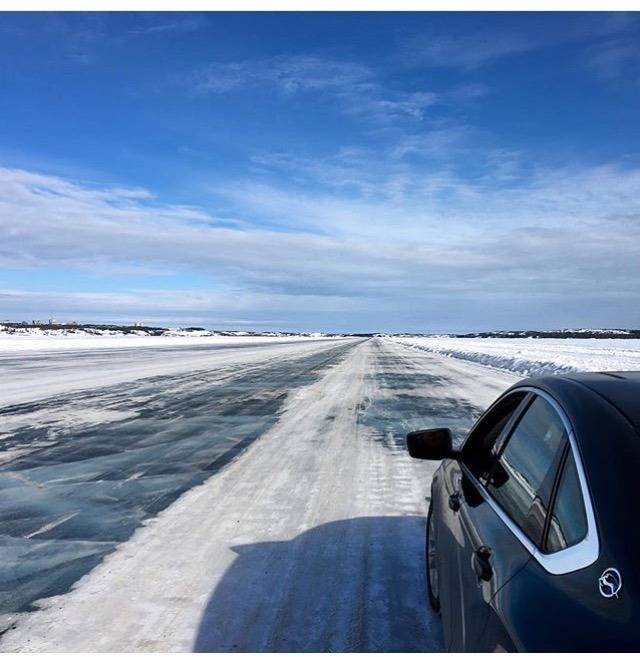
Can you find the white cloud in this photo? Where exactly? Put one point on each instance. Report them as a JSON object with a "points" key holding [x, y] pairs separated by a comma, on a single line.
{"points": [[564, 235]]}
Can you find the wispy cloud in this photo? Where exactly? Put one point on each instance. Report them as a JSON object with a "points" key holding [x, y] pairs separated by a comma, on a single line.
{"points": [[356, 88], [289, 74], [174, 24], [444, 141], [88, 38], [471, 49], [468, 51], [616, 59]]}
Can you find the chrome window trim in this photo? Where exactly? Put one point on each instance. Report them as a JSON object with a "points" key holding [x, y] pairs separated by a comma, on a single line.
{"points": [[577, 556]]}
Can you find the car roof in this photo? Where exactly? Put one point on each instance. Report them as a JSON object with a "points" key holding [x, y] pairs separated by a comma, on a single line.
{"points": [[621, 389]]}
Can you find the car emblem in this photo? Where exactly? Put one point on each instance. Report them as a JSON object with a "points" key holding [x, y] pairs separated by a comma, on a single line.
{"points": [[610, 583]]}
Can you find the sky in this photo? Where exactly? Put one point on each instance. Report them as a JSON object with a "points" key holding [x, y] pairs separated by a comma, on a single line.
{"points": [[384, 172]]}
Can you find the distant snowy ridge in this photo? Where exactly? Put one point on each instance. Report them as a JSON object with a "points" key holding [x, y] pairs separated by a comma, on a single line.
{"points": [[582, 333], [59, 330], [45, 338], [536, 357]]}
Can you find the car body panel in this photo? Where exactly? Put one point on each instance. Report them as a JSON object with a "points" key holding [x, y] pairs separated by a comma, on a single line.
{"points": [[445, 483], [567, 613], [482, 527]]}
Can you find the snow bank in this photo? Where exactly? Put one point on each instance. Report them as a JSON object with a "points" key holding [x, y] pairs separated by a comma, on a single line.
{"points": [[536, 356], [42, 340]]}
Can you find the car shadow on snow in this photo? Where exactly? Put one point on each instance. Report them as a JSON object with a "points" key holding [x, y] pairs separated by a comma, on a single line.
{"points": [[349, 585]]}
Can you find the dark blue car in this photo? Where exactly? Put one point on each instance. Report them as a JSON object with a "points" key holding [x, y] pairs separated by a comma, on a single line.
{"points": [[533, 535]]}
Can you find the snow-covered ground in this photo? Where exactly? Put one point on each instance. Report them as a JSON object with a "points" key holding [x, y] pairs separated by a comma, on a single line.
{"points": [[30, 340], [536, 356], [310, 539], [234, 493]]}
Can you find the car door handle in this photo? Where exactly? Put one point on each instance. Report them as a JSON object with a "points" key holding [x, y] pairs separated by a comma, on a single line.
{"points": [[482, 564], [454, 502]]}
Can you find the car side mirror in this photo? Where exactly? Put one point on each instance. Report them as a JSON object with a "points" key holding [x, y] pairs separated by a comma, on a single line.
{"points": [[431, 444]]}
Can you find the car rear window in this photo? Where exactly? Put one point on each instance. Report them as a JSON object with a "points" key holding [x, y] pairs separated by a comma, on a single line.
{"points": [[522, 478], [568, 524]]}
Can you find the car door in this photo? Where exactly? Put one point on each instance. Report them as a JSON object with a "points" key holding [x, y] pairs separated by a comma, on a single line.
{"points": [[463, 610], [503, 515]]}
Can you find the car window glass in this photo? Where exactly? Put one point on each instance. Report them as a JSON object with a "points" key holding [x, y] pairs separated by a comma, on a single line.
{"points": [[568, 524], [522, 479], [477, 453]]}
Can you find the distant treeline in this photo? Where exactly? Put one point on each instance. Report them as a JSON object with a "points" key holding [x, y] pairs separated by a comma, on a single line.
{"points": [[140, 329], [158, 330], [150, 330], [563, 333]]}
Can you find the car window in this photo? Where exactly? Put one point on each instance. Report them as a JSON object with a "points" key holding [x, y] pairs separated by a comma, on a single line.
{"points": [[477, 451], [568, 524], [522, 478]]}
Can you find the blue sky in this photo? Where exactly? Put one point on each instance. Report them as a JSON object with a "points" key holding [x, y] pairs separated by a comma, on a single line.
{"points": [[329, 171]]}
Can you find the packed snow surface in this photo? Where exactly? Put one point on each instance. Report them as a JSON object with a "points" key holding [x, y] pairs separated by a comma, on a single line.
{"points": [[536, 356]]}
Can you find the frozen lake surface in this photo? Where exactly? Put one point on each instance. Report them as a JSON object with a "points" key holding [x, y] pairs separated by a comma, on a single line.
{"points": [[251, 498], [82, 472]]}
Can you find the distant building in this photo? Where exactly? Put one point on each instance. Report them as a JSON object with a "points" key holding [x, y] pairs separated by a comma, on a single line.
{"points": [[138, 324], [53, 322]]}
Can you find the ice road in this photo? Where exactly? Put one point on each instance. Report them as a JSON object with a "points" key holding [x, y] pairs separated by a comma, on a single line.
{"points": [[251, 498]]}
